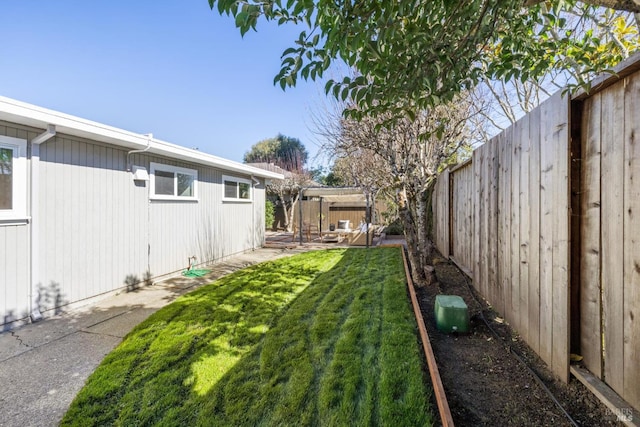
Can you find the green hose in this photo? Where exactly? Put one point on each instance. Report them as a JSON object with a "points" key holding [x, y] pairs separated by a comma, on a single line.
{"points": [[195, 273]]}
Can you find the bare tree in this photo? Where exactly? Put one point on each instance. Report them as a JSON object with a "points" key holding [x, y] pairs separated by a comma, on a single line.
{"points": [[404, 155], [287, 190]]}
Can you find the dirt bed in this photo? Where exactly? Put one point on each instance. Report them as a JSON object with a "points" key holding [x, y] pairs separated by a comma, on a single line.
{"points": [[484, 383]]}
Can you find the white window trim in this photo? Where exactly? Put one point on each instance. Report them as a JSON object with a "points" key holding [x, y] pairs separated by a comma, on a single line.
{"points": [[175, 170], [18, 213], [236, 199]]}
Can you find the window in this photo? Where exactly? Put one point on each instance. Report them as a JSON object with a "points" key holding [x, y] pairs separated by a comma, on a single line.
{"points": [[173, 182], [236, 189], [13, 178]]}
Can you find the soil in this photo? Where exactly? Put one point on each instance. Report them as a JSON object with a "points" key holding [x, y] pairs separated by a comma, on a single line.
{"points": [[484, 382]]}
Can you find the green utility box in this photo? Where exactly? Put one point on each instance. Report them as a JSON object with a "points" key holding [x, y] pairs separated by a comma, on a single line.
{"points": [[452, 314]]}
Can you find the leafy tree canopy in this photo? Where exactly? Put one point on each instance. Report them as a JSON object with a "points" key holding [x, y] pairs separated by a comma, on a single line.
{"points": [[327, 176], [283, 151], [411, 55]]}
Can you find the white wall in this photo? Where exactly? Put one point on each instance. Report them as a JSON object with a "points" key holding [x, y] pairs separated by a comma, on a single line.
{"points": [[99, 231]]}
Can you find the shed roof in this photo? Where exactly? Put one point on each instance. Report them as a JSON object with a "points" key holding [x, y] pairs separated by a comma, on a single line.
{"points": [[332, 191], [337, 194], [26, 114]]}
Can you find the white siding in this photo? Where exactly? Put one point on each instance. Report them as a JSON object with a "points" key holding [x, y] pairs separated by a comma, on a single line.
{"points": [[14, 256], [99, 232], [14, 273], [93, 222]]}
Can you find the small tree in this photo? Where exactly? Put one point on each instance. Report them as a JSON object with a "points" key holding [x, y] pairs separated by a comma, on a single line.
{"points": [[288, 192]]}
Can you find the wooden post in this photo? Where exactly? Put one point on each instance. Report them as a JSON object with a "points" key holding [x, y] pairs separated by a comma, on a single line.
{"points": [[452, 217], [300, 211], [367, 218], [320, 227]]}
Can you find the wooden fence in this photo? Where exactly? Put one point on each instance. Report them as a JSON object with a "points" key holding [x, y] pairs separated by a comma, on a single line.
{"points": [[610, 237], [545, 219], [331, 213], [506, 214]]}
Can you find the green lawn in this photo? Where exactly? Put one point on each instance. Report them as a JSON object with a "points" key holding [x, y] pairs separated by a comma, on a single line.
{"points": [[321, 338]]}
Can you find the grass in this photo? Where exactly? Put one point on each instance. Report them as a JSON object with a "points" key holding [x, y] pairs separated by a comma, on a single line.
{"points": [[321, 338]]}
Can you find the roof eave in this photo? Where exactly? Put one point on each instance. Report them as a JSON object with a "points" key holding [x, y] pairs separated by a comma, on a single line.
{"points": [[26, 114]]}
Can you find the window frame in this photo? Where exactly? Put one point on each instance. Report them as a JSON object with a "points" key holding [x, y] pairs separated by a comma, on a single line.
{"points": [[238, 181], [18, 211], [175, 170]]}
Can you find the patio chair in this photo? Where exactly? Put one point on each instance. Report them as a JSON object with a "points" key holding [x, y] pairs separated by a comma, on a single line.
{"points": [[307, 230], [359, 237]]}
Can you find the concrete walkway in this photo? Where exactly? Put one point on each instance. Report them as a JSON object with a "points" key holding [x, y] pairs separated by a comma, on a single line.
{"points": [[43, 365]]}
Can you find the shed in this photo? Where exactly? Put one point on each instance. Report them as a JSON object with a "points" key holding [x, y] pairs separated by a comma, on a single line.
{"points": [[87, 209], [326, 207]]}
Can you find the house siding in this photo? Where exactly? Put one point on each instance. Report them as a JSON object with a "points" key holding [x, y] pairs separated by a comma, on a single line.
{"points": [[92, 221], [99, 231], [15, 274]]}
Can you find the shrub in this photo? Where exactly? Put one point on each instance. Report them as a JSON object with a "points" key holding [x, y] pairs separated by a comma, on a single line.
{"points": [[269, 214], [394, 228]]}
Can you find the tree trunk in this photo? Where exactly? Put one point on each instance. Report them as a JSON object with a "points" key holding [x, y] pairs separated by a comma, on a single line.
{"points": [[425, 244], [288, 213], [412, 212], [288, 209]]}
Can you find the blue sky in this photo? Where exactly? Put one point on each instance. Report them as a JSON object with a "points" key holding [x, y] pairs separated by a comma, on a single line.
{"points": [[174, 68]]}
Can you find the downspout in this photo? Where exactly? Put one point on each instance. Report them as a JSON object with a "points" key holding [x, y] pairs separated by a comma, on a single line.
{"points": [[129, 153], [34, 235], [149, 138], [253, 211]]}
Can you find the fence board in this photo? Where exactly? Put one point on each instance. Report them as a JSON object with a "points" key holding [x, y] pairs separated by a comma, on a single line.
{"points": [[524, 205], [455, 222], [441, 218], [631, 306], [446, 226], [476, 167], [487, 220], [546, 234], [590, 250], [492, 230], [467, 175], [560, 284], [444, 220], [484, 221], [462, 216], [513, 305], [501, 239], [477, 235], [506, 219], [612, 163], [533, 188]]}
